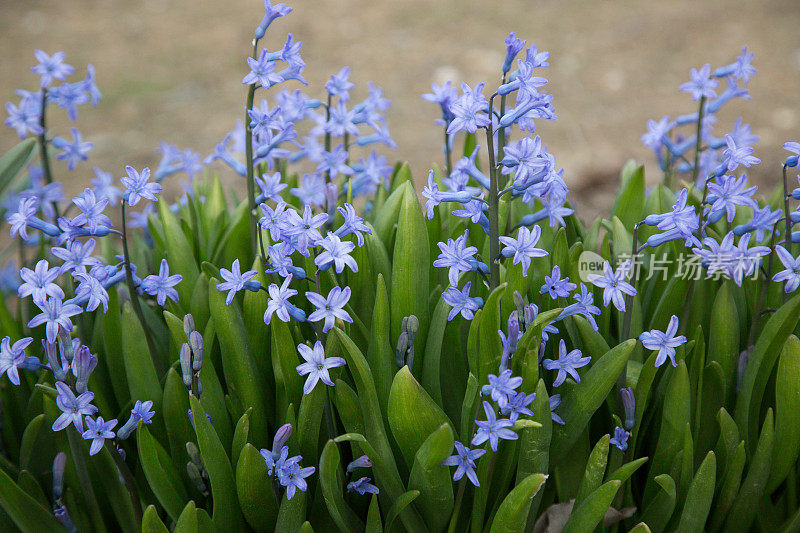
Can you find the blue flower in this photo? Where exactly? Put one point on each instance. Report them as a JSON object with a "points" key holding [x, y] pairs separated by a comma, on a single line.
{"points": [[726, 194], [339, 85], [455, 255], [51, 67], [12, 357], [91, 210], [613, 284], [104, 188], [656, 131], [555, 286], [518, 405], [664, 342], [360, 462], [493, 429], [304, 230], [335, 162], [141, 411], [501, 387], [583, 306], [330, 308], [290, 474], [72, 408], [434, 196], [469, 110], [279, 303], [91, 289], [444, 95], [342, 121], [311, 189], [39, 282], [620, 438], [701, 84], [555, 401], [72, 152], [98, 431], [335, 251], [236, 281], [567, 363], [69, 96], [353, 224], [682, 219], [25, 118], [741, 69], [523, 248], [76, 256], [465, 461], [526, 160], [735, 155], [271, 13], [461, 302], [262, 70], [54, 315], [137, 186], [362, 486], [161, 285], [513, 47], [791, 274]]}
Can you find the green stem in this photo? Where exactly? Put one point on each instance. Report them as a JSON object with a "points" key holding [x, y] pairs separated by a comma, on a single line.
{"points": [[328, 134], [448, 164], [501, 132], [45, 158], [494, 214], [700, 113], [137, 308], [763, 296], [85, 481], [248, 149], [130, 482], [457, 507], [787, 239]]}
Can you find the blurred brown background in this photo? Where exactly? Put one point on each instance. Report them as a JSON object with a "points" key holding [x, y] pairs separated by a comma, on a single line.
{"points": [[171, 69]]}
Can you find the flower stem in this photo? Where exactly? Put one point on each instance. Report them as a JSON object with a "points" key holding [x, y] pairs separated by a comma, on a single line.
{"points": [[787, 239], [462, 485], [494, 214], [137, 308], [448, 164], [130, 482], [45, 158], [700, 113], [248, 149]]}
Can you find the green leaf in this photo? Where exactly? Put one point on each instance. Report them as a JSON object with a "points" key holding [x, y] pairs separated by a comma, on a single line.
{"points": [[728, 488], [659, 508], [587, 396], [26, 512], [226, 504], [410, 267], [379, 352], [397, 507], [513, 511], [240, 436], [413, 415], [624, 472], [698, 499], [432, 479], [591, 512], [760, 366], [676, 414], [14, 161], [491, 349], [743, 511], [374, 523], [433, 352], [161, 473], [386, 217], [255, 491], [332, 481], [139, 368], [723, 334], [29, 437], [241, 372], [187, 521], [787, 407], [179, 253], [151, 523], [595, 470], [629, 203]]}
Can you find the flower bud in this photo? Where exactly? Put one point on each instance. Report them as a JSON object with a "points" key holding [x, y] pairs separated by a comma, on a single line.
{"points": [[361, 462], [331, 198], [65, 342], [194, 453], [125, 431], [188, 324], [196, 343], [411, 323], [280, 438], [196, 477], [82, 366], [513, 332], [62, 516], [402, 346], [186, 364], [629, 406], [59, 464], [51, 353], [744, 358]]}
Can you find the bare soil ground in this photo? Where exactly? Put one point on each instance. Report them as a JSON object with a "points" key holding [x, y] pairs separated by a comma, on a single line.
{"points": [[171, 69]]}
